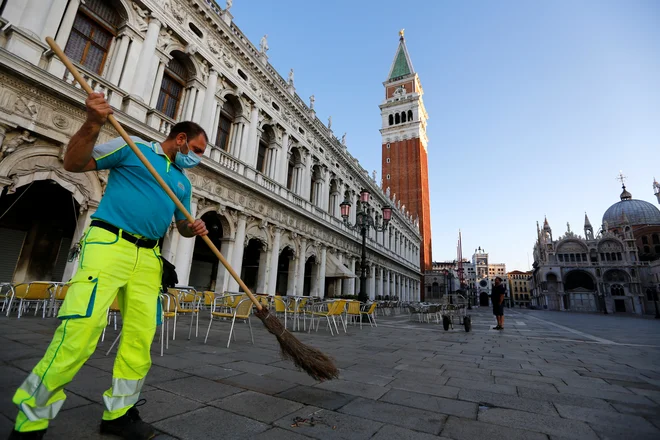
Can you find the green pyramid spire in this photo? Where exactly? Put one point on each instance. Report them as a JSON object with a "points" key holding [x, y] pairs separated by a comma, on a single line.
{"points": [[402, 65]]}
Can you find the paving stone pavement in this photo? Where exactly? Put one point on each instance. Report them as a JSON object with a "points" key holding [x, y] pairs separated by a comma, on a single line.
{"points": [[548, 375]]}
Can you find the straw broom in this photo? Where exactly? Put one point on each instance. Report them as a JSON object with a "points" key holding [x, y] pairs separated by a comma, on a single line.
{"points": [[313, 361]]}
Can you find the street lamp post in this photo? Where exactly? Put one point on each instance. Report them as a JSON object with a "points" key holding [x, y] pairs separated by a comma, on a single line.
{"points": [[363, 221]]}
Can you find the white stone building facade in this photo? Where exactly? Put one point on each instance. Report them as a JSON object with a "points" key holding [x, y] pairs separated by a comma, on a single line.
{"points": [[269, 187]]}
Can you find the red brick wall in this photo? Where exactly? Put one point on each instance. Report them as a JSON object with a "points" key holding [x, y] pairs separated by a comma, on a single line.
{"points": [[409, 180], [410, 87]]}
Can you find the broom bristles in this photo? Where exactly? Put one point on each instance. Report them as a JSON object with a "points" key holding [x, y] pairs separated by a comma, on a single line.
{"points": [[313, 361]]}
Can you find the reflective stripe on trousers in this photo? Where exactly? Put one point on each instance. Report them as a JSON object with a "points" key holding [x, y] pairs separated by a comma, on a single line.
{"points": [[124, 393], [110, 268]]}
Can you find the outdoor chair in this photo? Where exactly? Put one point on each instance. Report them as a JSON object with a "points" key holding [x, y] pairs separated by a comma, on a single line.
{"points": [[113, 311], [242, 312], [7, 296], [371, 315], [59, 295], [37, 293], [353, 311]]}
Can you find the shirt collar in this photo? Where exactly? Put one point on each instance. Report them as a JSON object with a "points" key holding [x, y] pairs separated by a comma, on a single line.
{"points": [[158, 149]]}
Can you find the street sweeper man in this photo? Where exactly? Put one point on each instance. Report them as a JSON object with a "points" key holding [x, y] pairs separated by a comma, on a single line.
{"points": [[119, 257]]}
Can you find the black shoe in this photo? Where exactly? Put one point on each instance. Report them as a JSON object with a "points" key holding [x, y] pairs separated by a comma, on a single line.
{"points": [[497, 328], [29, 435], [129, 426]]}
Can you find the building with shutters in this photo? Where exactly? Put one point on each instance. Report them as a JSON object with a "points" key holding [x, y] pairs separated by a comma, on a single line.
{"points": [[269, 186]]}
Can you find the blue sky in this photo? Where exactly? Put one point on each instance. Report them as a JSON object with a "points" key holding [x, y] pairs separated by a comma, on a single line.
{"points": [[534, 107]]}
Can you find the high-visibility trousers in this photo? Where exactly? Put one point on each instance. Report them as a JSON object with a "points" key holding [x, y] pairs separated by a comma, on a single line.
{"points": [[109, 267]]}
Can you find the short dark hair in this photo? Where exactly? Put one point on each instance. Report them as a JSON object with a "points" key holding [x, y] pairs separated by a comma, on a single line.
{"points": [[498, 278], [189, 128]]}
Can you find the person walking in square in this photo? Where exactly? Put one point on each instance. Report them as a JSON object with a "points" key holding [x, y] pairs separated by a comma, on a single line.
{"points": [[497, 297], [119, 257]]}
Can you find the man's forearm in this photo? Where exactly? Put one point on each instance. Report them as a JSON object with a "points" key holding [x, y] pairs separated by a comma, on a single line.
{"points": [[79, 150], [184, 229]]}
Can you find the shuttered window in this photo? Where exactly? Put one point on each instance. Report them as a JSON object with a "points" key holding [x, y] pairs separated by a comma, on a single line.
{"points": [[171, 88], [89, 43]]}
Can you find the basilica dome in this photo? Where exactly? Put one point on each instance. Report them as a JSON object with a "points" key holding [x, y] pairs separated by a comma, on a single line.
{"points": [[637, 212]]}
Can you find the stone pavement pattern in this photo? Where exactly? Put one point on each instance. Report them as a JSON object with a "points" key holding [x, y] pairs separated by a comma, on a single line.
{"points": [[548, 375]]}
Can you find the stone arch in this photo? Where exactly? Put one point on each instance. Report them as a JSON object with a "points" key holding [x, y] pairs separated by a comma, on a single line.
{"points": [[255, 231], [571, 246], [42, 162], [228, 227], [579, 279], [616, 276], [287, 241]]}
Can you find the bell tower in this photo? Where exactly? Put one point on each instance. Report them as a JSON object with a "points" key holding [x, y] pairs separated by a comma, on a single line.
{"points": [[404, 142]]}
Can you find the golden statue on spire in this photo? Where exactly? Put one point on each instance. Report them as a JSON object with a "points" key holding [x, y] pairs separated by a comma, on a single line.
{"points": [[401, 33]]}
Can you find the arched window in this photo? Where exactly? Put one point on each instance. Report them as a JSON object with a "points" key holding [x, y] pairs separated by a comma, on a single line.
{"points": [[295, 160], [656, 239], [617, 290], [403, 116], [391, 119], [264, 142], [645, 240], [397, 119], [171, 88], [93, 29], [410, 115], [227, 115]]}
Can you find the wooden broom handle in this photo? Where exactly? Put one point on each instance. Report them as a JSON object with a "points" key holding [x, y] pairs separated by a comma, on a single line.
{"points": [[83, 83]]}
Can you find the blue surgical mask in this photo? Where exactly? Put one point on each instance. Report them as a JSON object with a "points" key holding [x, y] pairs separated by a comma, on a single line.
{"points": [[187, 160]]}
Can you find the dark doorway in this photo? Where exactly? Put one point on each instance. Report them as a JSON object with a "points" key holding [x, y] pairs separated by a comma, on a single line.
{"points": [[620, 305], [204, 268], [36, 232], [483, 299], [283, 271], [309, 268], [250, 267]]}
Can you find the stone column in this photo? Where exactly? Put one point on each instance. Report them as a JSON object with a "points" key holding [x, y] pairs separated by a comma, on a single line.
{"points": [[216, 122], [239, 247], [55, 66], [372, 283], [283, 161], [206, 120], [350, 283], [248, 151], [222, 279], [306, 178], [386, 280], [191, 97], [132, 59], [42, 16], [381, 286], [120, 60], [274, 260], [262, 273], [321, 277], [155, 92], [185, 250], [300, 280], [292, 269], [84, 219], [147, 55], [170, 243]]}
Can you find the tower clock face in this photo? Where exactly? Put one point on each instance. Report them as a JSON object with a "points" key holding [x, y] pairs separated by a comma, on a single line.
{"points": [[483, 283]]}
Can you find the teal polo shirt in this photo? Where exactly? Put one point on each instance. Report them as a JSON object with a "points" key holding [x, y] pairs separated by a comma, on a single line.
{"points": [[133, 199]]}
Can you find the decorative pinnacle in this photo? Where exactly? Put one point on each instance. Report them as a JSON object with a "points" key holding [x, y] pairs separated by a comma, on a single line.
{"points": [[401, 34], [621, 178]]}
